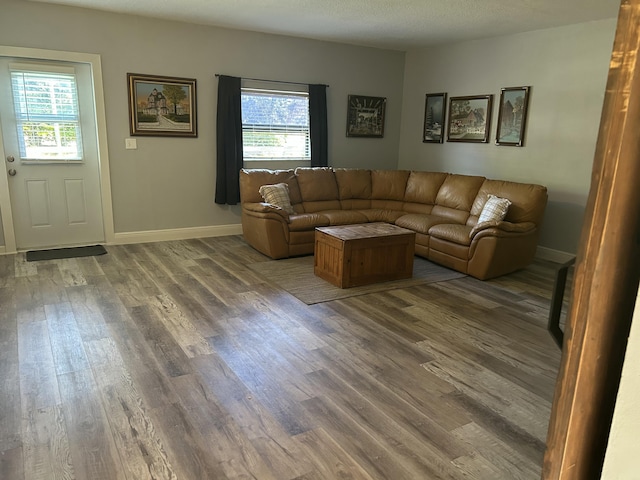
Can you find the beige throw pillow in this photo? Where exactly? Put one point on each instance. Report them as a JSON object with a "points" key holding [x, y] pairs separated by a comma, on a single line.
{"points": [[277, 195], [493, 212]]}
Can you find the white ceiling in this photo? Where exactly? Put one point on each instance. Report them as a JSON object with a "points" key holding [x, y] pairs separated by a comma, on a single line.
{"points": [[392, 24]]}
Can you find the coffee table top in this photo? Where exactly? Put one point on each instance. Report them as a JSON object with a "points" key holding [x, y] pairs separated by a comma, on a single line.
{"points": [[364, 230]]}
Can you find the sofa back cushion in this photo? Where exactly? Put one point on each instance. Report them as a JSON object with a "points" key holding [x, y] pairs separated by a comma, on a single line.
{"points": [[456, 195], [252, 179], [354, 188], [353, 183], [528, 201], [387, 188], [389, 184], [318, 188], [422, 189]]}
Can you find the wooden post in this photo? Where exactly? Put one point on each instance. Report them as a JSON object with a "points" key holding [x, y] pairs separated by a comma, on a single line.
{"points": [[606, 275]]}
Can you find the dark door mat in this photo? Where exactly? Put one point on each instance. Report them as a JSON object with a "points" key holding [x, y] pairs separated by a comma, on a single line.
{"points": [[55, 253]]}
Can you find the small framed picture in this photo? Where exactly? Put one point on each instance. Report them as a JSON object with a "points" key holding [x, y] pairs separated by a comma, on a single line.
{"points": [[365, 116], [512, 116], [435, 107], [469, 119], [162, 106]]}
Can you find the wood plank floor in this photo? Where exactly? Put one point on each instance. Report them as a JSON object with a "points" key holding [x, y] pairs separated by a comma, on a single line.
{"points": [[174, 360]]}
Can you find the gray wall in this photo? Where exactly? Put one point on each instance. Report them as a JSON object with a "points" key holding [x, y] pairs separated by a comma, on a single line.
{"points": [[170, 182], [567, 70]]}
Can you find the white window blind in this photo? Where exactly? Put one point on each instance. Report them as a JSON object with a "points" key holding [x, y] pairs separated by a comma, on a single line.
{"points": [[47, 115], [275, 125]]}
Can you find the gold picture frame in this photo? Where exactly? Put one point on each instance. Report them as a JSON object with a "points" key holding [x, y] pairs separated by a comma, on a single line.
{"points": [[162, 106]]}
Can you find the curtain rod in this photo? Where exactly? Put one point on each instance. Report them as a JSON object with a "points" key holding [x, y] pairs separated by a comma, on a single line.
{"points": [[274, 81]]}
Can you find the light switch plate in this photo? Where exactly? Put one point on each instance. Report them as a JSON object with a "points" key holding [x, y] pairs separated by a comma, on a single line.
{"points": [[130, 143]]}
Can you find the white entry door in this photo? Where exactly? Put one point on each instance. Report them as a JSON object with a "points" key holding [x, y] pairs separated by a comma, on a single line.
{"points": [[47, 116]]}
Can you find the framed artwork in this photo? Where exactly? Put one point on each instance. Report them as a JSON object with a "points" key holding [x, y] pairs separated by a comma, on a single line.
{"points": [[435, 107], [469, 119], [512, 116], [162, 106], [365, 116]]}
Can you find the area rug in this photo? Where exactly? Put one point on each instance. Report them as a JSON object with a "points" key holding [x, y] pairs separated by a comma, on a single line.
{"points": [[57, 253], [295, 275]]}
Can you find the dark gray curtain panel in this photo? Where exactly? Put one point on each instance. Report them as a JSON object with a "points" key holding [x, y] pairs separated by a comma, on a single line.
{"points": [[318, 125], [229, 141]]}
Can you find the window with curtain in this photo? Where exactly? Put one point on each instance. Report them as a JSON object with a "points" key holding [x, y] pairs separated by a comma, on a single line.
{"points": [[47, 115], [275, 124]]}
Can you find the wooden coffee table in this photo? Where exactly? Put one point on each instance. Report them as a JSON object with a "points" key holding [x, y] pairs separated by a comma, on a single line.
{"points": [[351, 255]]}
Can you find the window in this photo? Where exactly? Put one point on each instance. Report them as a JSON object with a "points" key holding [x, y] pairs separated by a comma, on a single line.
{"points": [[275, 125], [47, 115]]}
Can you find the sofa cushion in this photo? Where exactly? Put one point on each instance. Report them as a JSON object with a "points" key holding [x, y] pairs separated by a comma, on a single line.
{"points": [[387, 205], [355, 204], [277, 195], [353, 183], [317, 183], [321, 206], [388, 184], [307, 221], [382, 215], [459, 191], [418, 222], [452, 232], [344, 217], [423, 187], [451, 214]]}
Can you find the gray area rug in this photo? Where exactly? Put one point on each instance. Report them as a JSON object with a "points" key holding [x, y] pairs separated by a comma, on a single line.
{"points": [[295, 275]]}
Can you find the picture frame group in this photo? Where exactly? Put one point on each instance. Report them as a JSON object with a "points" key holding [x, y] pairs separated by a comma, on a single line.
{"points": [[162, 106], [365, 116], [468, 118]]}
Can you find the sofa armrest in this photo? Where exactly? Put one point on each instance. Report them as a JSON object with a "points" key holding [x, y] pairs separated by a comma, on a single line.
{"points": [[265, 210], [502, 228]]}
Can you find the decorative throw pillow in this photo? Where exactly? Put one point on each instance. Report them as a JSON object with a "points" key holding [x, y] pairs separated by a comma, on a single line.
{"points": [[493, 212], [278, 195]]}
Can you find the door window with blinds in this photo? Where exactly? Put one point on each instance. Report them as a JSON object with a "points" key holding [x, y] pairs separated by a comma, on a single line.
{"points": [[275, 124], [47, 114]]}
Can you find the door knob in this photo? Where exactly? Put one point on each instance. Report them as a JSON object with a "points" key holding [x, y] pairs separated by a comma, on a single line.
{"points": [[10, 158], [12, 172]]}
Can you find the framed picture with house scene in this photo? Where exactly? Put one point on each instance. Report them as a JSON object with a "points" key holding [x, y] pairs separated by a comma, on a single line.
{"points": [[162, 106], [435, 107], [365, 116], [469, 119], [512, 116]]}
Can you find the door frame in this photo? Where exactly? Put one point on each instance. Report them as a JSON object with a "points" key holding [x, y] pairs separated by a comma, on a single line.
{"points": [[94, 62]]}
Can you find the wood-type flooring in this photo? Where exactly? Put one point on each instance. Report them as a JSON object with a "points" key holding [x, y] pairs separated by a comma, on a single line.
{"points": [[174, 360]]}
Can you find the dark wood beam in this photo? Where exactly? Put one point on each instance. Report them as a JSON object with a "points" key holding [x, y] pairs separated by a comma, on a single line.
{"points": [[606, 275]]}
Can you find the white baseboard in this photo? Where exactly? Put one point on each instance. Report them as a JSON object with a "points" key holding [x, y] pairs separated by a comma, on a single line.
{"points": [[176, 234], [552, 255]]}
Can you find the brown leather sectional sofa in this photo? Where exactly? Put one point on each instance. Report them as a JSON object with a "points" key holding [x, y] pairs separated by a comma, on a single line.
{"points": [[442, 208]]}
